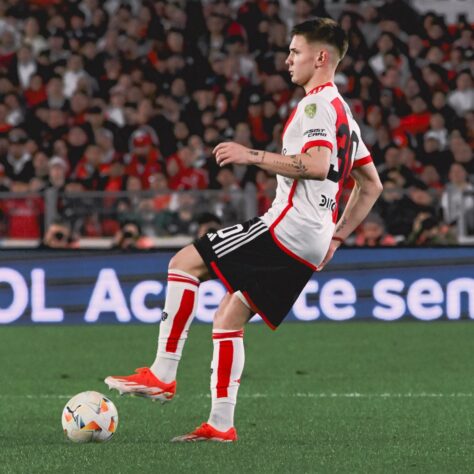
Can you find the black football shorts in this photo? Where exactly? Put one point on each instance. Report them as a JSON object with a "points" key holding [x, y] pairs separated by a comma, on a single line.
{"points": [[245, 257]]}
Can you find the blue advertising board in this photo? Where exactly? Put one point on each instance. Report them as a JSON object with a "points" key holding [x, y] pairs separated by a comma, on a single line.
{"points": [[90, 287]]}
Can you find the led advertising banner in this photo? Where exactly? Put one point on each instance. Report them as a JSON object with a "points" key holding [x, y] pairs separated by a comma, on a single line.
{"points": [[92, 287]]}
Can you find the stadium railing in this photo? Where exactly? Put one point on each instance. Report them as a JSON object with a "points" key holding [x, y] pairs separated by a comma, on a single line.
{"points": [[169, 219]]}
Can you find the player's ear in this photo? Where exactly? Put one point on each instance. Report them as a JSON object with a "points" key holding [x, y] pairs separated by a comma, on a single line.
{"points": [[321, 58]]}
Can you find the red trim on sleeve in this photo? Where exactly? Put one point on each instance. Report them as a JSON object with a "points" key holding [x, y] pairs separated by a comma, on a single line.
{"points": [[362, 161], [313, 143]]}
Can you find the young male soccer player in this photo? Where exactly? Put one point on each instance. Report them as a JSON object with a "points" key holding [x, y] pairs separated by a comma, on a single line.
{"points": [[266, 262]]}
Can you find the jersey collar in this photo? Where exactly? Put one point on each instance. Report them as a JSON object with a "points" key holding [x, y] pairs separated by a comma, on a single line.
{"points": [[320, 88]]}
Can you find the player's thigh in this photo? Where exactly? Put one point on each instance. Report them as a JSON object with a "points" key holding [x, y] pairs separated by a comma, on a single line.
{"points": [[188, 260], [232, 313]]}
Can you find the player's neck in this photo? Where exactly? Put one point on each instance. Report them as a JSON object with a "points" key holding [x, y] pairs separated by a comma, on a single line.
{"points": [[318, 79]]}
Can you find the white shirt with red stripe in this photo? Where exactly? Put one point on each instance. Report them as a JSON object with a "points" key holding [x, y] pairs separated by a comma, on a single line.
{"points": [[303, 215]]}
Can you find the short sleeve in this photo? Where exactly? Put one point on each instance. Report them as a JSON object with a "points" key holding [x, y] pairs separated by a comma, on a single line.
{"points": [[362, 156], [318, 124]]}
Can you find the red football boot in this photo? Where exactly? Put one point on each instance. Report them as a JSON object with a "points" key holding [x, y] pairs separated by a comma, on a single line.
{"points": [[144, 384], [206, 432]]}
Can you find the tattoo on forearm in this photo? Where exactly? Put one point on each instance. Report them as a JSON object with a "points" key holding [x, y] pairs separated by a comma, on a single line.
{"points": [[341, 225], [299, 166], [253, 152], [296, 164]]}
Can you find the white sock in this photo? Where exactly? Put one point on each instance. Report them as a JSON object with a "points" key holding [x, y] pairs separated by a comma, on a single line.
{"points": [[178, 313], [227, 367]]}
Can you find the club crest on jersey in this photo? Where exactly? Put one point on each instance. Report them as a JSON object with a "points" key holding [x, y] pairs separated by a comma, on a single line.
{"points": [[310, 110]]}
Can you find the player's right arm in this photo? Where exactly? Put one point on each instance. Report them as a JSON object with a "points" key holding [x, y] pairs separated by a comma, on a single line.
{"points": [[366, 191], [313, 163]]}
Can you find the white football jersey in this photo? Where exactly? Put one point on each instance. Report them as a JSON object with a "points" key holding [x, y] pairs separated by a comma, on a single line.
{"points": [[303, 215]]}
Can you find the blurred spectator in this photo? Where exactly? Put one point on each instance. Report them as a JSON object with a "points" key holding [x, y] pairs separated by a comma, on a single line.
{"points": [[73, 73], [372, 233], [207, 222], [462, 152], [158, 184], [18, 164], [454, 199], [184, 172], [59, 236], [41, 167], [57, 172], [144, 159], [183, 220], [462, 98], [438, 130], [25, 67], [23, 213], [432, 153], [90, 170], [396, 209], [427, 230], [130, 237], [32, 36]]}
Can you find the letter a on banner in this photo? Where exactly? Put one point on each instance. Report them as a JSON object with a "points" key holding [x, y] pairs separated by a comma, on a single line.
{"points": [[107, 297]]}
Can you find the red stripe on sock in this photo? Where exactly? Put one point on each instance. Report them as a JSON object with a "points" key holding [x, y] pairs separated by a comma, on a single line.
{"points": [[180, 319], [225, 335], [183, 280], [226, 357], [188, 277]]}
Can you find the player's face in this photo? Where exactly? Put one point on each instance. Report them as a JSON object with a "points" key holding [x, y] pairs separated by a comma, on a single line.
{"points": [[301, 60]]}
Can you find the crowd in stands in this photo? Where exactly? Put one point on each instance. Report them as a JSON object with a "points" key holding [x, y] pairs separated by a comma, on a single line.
{"points": [[134, 95]]}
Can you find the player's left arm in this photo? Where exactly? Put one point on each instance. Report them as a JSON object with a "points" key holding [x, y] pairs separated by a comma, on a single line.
{"points": [[310, 164], [366, 191]]}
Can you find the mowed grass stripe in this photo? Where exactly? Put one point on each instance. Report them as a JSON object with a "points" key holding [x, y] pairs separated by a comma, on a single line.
{"points": [[275, 395]]}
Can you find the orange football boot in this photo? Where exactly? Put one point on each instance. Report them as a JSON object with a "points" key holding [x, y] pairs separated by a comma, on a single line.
{"points": [[143, 384], [206, 432]]}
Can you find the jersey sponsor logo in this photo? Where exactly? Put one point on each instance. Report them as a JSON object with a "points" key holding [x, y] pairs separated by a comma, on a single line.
{"points": [[327, 203], [164, 316], [310, 110], [315, 132]]}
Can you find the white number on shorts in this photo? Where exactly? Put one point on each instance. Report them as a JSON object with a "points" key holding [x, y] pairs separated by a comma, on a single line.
{"points": [[228, 231]]}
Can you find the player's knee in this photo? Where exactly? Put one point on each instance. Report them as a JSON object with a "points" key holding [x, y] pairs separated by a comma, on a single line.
{"points": [[176, 261], [189, 261], [223, 320], [230, 315]]}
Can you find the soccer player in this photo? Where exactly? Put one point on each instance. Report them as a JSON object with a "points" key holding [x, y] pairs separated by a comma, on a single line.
{"points": [[266, 262]]}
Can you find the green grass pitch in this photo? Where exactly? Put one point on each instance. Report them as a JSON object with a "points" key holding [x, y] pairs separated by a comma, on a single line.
{"points": [[359, 397]]}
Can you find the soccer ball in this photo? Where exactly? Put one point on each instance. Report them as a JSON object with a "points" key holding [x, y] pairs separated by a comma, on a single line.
{"points": [[89, 416]]}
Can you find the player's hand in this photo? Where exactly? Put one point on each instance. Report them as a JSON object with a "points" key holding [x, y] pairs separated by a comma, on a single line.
{"points": [[231, 152], [333, 246]]}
